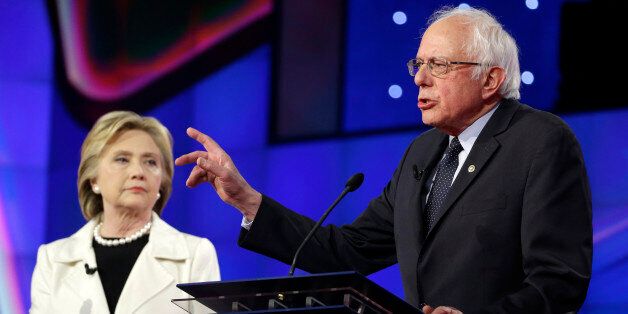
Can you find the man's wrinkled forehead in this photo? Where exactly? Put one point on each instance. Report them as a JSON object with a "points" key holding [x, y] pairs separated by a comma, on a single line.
{"points": [[445, 38]]}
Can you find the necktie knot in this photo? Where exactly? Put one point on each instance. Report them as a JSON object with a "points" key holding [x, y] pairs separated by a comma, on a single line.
{"points": [[454, 147]]}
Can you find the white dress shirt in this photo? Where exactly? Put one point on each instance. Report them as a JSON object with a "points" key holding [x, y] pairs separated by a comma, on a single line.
{"points": [[467, 139]]}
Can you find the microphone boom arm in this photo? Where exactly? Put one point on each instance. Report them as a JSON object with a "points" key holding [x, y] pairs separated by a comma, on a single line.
{"points": [[352, 184]]}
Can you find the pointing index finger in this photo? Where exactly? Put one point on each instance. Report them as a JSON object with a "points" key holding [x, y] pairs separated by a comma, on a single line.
{"points": [[207, 142]]}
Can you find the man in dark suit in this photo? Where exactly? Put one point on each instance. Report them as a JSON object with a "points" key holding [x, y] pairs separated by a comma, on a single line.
{"points": [[489, 212]]}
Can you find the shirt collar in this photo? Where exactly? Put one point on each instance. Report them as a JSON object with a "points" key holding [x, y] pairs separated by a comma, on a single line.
{"points": [[469, 135]]}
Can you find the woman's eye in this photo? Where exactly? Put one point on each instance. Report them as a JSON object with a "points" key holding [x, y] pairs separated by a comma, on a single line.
{"points": [[121, 159], [152, 162]]}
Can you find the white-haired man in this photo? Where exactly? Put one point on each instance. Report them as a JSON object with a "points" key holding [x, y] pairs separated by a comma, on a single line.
{"points": [[488, 212]]}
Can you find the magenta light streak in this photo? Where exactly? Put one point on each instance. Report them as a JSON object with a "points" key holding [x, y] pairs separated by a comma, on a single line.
{"points": [[8, 276]]}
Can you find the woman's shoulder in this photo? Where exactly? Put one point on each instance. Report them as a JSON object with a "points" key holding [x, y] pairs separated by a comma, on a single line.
{"points": [[165, 232], [67, 248], [194, 241], [56, 244]]}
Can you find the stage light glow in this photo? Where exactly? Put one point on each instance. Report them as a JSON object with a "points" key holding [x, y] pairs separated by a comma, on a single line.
{"points": [[532, 4], [464, 6], [395, 91], [400, 18], [527, 77]]}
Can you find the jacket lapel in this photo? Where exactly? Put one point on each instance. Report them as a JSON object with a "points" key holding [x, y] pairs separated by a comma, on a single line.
{"points": [[77, 252], [485, 146], [149, 275], [436, 146]]}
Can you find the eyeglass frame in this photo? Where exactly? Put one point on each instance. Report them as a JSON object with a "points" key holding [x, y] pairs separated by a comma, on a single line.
{"points": [[414, 62]]}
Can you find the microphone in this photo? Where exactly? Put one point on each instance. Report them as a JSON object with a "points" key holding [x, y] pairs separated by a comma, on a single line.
{"points": [[418, 174], [352, 184], [89, 270]]}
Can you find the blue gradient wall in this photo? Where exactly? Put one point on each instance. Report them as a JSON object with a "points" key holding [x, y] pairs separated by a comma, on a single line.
{"points": [[25, 88], [39, 153]]}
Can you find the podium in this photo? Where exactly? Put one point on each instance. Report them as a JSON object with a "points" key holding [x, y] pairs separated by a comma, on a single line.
{"points": [[342, 292]]}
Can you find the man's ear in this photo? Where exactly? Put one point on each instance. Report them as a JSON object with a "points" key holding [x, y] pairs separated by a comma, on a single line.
{"points": [[493, 80]]}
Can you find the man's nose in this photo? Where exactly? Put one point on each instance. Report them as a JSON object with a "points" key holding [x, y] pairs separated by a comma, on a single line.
{"points": [[422, 77]]}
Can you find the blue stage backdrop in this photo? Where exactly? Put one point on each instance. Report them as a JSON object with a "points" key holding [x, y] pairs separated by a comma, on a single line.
{"points": [[40, 135]]}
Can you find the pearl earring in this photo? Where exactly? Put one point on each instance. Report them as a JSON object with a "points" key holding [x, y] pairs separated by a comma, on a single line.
{"points": [[96, 189], [158, 195]]}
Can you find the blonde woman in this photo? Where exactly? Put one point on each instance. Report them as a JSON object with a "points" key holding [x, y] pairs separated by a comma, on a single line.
{"points": [[125, 259]]}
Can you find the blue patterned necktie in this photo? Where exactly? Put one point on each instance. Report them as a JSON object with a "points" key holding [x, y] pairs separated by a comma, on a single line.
{"points": [[444, 176]]}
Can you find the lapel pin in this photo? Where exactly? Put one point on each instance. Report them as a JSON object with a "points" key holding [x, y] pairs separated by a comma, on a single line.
{"points": [[471, 168]]}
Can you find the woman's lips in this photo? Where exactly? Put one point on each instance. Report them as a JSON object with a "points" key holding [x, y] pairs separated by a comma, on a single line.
{"points": [[137, 189]]}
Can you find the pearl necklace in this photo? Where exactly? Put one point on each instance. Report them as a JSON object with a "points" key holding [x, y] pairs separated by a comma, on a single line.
{"points": [[116, 242]]}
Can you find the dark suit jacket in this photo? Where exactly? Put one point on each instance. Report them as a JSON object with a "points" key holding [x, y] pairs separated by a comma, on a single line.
{"points": [[514, 235]]}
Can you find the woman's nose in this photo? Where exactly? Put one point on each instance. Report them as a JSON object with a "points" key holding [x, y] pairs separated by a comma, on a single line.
{"points": [[136, 170]]}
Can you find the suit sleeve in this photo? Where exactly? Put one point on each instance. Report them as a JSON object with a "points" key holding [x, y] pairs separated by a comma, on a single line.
{"points": [[40, 283], [366, 245], [556, 231]]}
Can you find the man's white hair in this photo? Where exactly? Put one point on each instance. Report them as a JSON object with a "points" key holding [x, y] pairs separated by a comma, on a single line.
{"points": [[489, 43]]}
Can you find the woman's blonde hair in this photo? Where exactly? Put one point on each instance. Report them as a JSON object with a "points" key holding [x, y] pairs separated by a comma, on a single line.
{"points": [[104, 132]]}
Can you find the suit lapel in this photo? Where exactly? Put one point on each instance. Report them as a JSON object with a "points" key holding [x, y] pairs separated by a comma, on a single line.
{"points": [[87, 287], [149, 275], [478, 157], [436, 148], [147, 278], [77, 252], [485, 146]]}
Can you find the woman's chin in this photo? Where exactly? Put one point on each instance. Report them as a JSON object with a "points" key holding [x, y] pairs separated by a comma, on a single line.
{"points": [[137, 205]]}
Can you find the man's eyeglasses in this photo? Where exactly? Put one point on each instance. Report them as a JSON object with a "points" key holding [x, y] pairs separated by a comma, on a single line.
{"points": [[438, 66]]}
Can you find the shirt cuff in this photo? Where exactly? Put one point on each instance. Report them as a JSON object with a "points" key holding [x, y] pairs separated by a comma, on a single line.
{"points": [[246, 224]]}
